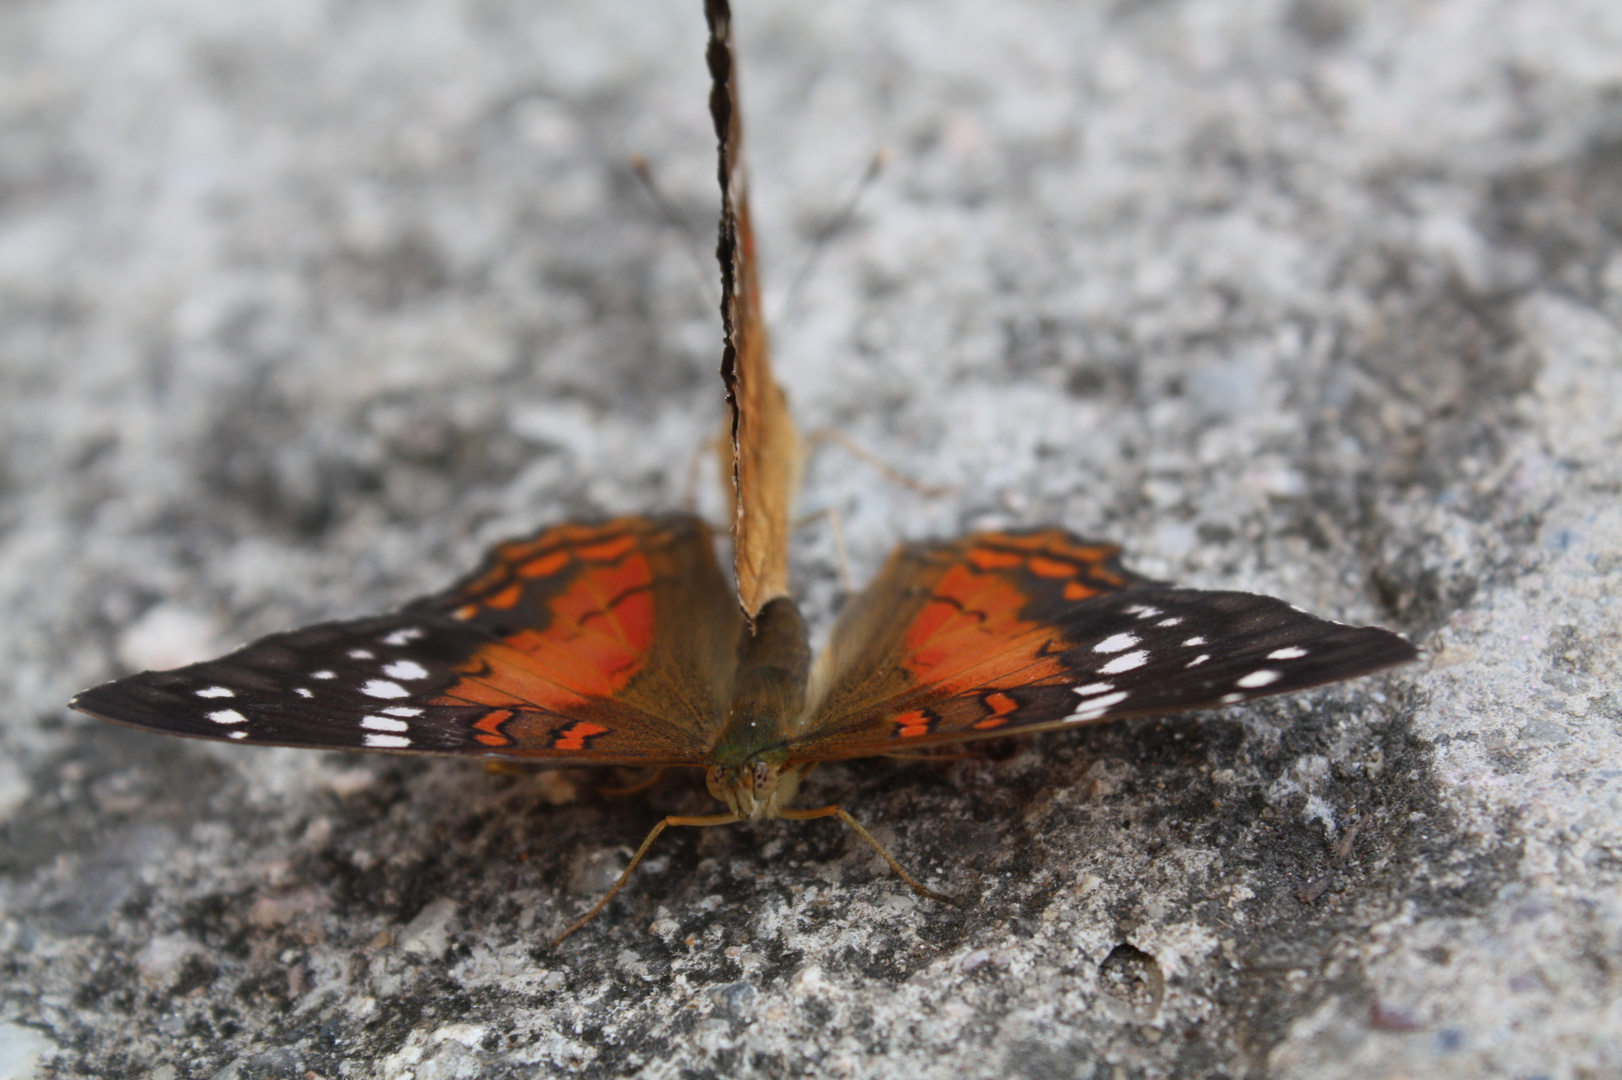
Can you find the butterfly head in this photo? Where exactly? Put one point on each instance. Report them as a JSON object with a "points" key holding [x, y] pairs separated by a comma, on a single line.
{"points": [[755, 788]]}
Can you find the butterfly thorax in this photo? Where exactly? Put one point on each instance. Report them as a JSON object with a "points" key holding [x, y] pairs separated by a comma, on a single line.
{"points": [[768, 696]]}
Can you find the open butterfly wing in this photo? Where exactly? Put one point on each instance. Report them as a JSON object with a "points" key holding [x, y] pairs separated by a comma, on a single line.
{"points": [[767, 455], [1003, 632], [607, 643]]}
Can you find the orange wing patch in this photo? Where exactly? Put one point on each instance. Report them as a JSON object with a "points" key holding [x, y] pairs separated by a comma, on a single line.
{"points": [[595, 631], [957, 640], [581, 603]]}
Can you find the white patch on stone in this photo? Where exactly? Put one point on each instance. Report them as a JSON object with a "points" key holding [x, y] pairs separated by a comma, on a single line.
{"points": [[362, 654], [1290, 653], [1125, 663], [1116, 643], [383, 723], [1264, 677], [384, 689], [1198, 660], [1093, 688], [405, 669], [216, 691], [323, 674], [227, 716], [404, 636], [1229, 699], [387, 742], [402, 710], [301, 692], [1193, 641]]}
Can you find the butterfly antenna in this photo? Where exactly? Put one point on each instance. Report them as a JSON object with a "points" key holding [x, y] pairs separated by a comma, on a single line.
{"points": [[711, 819], [830, 229], [856, 826], [674, 219]]}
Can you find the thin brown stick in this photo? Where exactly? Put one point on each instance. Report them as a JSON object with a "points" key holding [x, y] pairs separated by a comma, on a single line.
{"points": [[711, 819], [836, 811]]}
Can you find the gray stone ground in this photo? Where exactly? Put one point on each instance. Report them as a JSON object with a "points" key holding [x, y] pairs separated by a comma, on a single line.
{"points": [[301, 304]]}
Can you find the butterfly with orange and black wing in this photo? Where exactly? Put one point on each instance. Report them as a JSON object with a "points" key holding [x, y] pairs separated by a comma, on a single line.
{"points": [[622, 643]]}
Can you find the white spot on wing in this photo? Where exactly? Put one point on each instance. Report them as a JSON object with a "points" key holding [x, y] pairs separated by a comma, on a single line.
{"points": [[1125, 663], [1097, 707], [1264, 677], [216, 691], [406, 669], [402, 710], [236, 734], [1175, 620], [227, 716], [1093, 688], [301, 692], [383, 723], [387, 742], [1229, 699], [1198, 660], [384, 689], [323, 674], [361, 654], [1116, 643], [1290, 653], [1196, 640], [404, 635], [1148, 612]]}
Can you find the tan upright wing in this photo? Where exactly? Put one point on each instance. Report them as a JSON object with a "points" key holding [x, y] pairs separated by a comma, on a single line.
{"points": [[767, 455]]}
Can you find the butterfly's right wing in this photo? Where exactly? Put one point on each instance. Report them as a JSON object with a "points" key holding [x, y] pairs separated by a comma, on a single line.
{"points": [[999, 633], [610, 643]]}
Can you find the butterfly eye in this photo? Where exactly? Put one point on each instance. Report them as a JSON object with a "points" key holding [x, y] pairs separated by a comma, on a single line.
{"points": [[763, 774], [715, 775]]}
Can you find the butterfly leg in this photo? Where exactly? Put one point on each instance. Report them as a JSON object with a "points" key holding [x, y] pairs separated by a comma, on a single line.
{"points": [[655, 774], [709, 819], [836, 811], [857, 450], [836, 528]]}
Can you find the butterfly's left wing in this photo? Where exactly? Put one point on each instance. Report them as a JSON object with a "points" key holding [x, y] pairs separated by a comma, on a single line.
{"points": [[605, 643], [998, 633]]}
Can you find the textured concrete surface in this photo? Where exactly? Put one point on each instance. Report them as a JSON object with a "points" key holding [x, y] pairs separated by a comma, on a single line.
{"points": [[302, 304]]}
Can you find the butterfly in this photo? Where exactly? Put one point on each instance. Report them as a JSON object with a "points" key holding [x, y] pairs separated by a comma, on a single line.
{"points": [[622, 642]]}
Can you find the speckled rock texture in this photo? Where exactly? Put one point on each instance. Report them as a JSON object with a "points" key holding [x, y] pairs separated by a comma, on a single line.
{"points": [[302, 304]]}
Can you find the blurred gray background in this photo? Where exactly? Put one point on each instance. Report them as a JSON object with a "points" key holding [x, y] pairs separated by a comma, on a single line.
{"points": [[302, 305]]}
